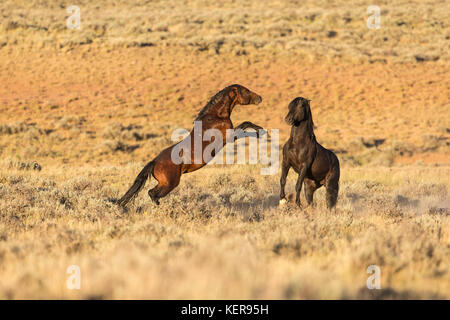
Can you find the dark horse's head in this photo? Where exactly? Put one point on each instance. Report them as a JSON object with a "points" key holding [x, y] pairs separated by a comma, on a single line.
{"points": [[299, 111], [224, 101]]}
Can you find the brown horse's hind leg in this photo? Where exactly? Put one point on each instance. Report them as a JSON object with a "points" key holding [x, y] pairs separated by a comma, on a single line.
{"points": [[160, 191], [310, 187], [153, 194], [168, 179]]}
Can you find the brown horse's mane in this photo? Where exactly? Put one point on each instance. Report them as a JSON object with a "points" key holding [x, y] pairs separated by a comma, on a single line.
{"points": [[213, 102]]}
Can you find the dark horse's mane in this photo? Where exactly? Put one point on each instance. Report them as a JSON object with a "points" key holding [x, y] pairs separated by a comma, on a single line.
{"points": [[213, 102], [310, 122]]}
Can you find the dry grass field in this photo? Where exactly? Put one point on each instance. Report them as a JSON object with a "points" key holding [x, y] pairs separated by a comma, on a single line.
{"points": [[81, 111]]}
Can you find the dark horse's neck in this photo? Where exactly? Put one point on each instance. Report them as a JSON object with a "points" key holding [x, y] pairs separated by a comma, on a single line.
{"points": [[303, 131]]}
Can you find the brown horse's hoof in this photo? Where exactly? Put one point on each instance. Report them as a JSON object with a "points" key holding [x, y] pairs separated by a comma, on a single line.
{"points": [[282, 202]]}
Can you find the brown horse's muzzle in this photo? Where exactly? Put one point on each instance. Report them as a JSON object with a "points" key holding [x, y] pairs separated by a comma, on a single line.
{"points": [[257, 100]]}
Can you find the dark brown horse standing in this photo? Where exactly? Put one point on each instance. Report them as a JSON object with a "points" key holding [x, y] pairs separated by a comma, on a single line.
{"points": [[315, 165], [215, 115]]}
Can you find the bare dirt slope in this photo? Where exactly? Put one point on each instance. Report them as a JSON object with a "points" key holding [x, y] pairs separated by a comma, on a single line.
{"points": [[92, 91]]}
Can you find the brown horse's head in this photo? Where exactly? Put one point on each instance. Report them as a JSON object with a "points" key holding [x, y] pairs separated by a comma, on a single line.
{"points": [[223, 102], [299, 110], [243, 96]]}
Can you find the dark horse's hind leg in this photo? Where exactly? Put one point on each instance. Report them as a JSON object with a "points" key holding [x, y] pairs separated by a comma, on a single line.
{"points": [[332, 186], [310, 187]]}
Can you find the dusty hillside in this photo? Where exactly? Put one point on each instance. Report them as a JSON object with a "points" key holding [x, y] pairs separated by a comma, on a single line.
{"points": [[91, 101], [81, 111]]}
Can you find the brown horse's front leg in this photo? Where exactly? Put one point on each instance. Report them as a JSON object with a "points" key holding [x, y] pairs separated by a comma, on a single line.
{"points": [[247, 124]]}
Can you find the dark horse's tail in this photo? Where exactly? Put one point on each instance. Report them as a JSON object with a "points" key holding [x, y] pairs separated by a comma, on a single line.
{"points": [[138, 184]]}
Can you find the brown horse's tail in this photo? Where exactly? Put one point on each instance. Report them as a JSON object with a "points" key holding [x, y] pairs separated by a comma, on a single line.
{"points": [[138, 184]]}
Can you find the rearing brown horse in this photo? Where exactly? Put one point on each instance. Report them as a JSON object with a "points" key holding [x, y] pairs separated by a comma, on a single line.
{"points": [[215, 115]]}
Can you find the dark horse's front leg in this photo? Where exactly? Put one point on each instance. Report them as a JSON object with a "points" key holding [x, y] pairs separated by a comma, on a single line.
{"points": [[246, 125], [284, 172], [298, 185]]}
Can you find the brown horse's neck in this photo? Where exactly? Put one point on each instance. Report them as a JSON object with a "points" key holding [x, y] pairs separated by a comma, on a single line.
{"points": [[224, 108], [220, 109]]}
